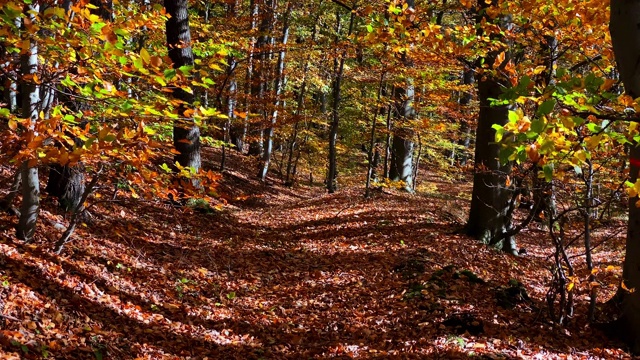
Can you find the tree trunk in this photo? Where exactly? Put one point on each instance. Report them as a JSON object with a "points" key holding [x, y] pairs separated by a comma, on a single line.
{"points": [[402, 159], [260, 85], [230, 104], [67, 182], [372, 140], [278, 86], [625, 36], [186, 135], [332, 172], [30, 207], [489, 216], [490, 198], [465, 129]]}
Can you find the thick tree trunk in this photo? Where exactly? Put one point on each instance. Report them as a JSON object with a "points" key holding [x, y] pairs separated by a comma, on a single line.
{"points": [[186, 135], [30, 207], [490, 198], [625, 36], [402, 160], [489, 216], [67, 184]]}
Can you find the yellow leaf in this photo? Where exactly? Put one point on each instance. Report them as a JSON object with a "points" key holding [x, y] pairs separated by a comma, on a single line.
{"points": [[144, 54], [593, 141]]}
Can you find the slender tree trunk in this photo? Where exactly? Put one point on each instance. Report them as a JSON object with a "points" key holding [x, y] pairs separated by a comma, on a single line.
{"points": [[260, 84], [231, 107], [239, 131], [388, 156], [372, 139], [294, 137], [335, 115], [465, 129], [186, 135], [30, 207], [278, 86]]}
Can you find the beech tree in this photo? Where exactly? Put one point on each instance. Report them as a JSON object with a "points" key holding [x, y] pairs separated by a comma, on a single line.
{"points": [[488, 216], [625, 36], [186, 134], [30, 207]]}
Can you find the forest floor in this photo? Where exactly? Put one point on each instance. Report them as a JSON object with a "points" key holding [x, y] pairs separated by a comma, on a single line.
{"points": [[289, 273]]}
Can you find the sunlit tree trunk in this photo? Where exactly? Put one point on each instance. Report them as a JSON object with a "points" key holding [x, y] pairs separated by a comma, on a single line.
{"points": [[186, 135], [278, 86], [260, 85], [401, 166], [30, 207], [402, 145], [625, 36]]}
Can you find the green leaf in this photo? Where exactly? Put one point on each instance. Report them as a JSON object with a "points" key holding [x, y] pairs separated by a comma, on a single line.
{"points": [[548, 172], [537, 126], [594, 128], [231, 295], [4, 112], [165, 167], [499, 131], [513, 116], [546, 107], [169, 74], [185, 69]]}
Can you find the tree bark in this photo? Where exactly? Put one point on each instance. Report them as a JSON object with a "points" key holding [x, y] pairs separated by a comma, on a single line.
{"points": [[490, 198], [332, 172], [489, 216], [278, 86], [625, 36], [186, 134], [30, 207], [260, 85], [402, 159]]}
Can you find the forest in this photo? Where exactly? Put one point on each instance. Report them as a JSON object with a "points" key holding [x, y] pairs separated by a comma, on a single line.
{"points": [[271, 179]]}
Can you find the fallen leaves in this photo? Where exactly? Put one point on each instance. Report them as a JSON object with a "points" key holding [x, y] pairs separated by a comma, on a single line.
{"points": [[313, 275]]}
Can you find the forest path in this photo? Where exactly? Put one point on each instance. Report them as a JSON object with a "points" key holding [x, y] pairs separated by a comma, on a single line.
{"points": [[281, 273]]}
